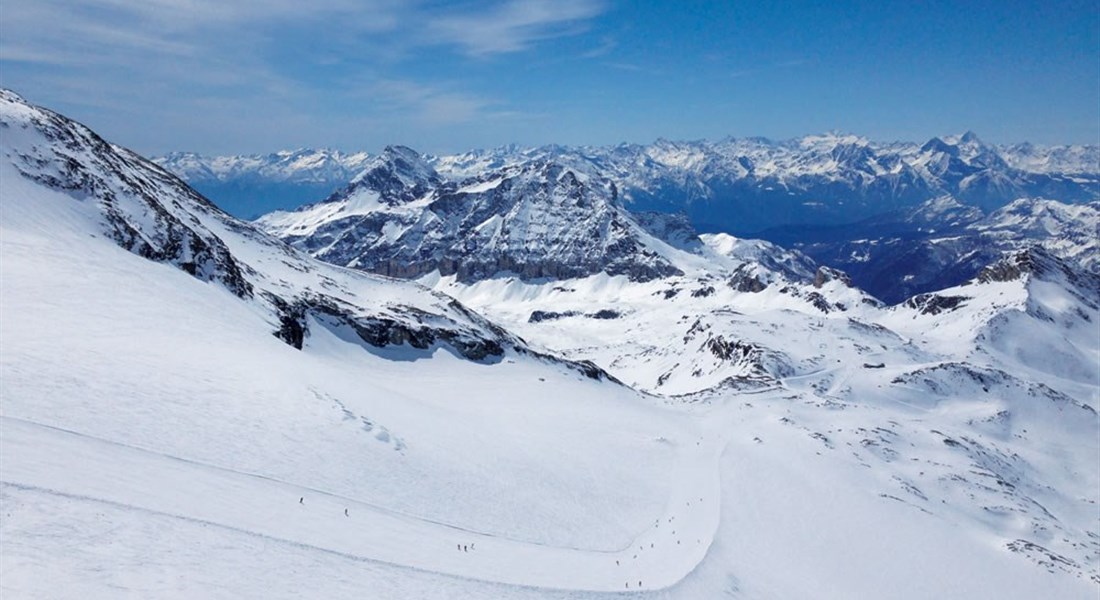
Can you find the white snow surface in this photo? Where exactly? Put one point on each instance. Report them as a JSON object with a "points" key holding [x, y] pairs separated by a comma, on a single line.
{"points": [[156, 440]]}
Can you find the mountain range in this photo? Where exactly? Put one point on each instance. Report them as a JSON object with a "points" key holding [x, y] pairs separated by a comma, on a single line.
{"points": [[737, 185], [504, 381], [834, 197]]}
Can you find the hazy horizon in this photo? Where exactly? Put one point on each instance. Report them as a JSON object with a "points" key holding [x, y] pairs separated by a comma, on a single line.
{"points": [[378, 148]]}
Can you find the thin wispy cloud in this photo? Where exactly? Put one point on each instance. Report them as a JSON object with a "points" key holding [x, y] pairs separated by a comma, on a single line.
{"points": [[427, 105], [162, 75], [514, 25], [607, 45], [365, 60]]}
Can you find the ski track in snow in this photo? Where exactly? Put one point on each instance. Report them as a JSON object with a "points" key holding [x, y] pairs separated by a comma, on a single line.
{"points": [[269, 508]]}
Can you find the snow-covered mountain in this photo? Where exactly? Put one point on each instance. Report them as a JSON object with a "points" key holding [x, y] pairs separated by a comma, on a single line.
{"points": [[153, 214], [194, 408], [943, 243], [789, 192], [1070, 160], [249, 186], [959, 373], [537, 219], [747, 185]]}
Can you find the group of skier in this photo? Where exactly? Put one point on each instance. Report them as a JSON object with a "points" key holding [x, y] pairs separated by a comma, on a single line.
{"points": [[468, 547]]}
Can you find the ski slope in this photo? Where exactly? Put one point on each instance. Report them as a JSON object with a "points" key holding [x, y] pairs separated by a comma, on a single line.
{"points": [[175, 401], [294, 514]]}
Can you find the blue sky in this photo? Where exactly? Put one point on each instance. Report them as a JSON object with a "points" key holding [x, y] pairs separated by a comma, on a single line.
{"points": [[219, 76]]}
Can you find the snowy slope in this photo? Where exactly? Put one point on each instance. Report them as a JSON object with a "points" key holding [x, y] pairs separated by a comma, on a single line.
{"points": [[182, 405], [977, 404], [158, 440]]}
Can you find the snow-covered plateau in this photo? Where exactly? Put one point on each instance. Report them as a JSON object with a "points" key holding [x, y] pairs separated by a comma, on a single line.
{"points": [[192, 407]]}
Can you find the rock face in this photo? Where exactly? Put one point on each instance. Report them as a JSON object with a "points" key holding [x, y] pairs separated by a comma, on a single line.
{"points": [[674, 229], [536, 220], [827, 274]]}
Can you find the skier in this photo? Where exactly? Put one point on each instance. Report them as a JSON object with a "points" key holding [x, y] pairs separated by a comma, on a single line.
{"points": [[345, 512], [302, 500]]}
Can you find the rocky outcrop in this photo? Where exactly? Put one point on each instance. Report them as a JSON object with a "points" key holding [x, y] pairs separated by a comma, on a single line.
{"points": [[827, 274], [934, 304]]}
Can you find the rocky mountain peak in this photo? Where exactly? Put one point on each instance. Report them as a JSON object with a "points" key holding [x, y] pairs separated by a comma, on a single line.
{"points": [[538, 219], [970, 138], [398, 175], [1036, 263], [937, 145]]}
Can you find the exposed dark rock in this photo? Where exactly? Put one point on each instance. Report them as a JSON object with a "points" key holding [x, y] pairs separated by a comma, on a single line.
{"points": [[934, 304], [744, 281], [605, 314], [292, 323], [819, 302], [827, 274], [735, 350], [539, 316]]}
